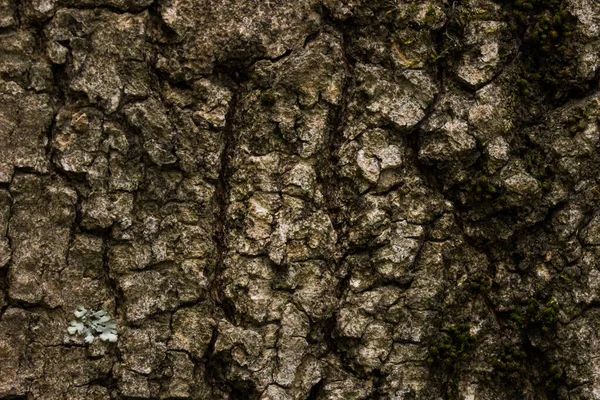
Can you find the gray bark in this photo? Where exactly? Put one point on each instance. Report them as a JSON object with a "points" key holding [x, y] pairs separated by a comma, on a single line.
{"points": [[308, 199]]}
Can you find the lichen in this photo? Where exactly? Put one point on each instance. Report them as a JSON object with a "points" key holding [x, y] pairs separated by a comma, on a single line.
{"points": [[91, 324]]}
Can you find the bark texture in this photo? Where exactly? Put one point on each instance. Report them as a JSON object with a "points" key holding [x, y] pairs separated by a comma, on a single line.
{"points": [[307, 199]]}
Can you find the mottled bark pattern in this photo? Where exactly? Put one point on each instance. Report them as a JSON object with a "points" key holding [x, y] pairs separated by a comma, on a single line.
{"points": [[308, 199]]}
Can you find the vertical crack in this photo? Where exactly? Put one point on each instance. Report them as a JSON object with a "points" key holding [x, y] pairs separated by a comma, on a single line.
{"points": [[221, 201], [328, 174], [4, 284]]}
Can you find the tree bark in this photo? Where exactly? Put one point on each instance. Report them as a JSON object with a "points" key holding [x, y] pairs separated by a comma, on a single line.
{"points": [[309, 199]]}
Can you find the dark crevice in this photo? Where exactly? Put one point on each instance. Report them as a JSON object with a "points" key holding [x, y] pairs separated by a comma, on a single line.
{"points": [[205, 366], [109, 277], [326, 174], [316, 392], [4, 271], [222, 193]]}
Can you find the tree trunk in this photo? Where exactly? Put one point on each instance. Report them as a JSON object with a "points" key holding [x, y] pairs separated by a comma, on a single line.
{"points": [[308, 199]]}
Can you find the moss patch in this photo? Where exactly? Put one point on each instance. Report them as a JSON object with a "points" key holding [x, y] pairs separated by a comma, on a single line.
{"points": [[536, 315], [454, 346], [268, 98], [547, 32], [510, 363]]}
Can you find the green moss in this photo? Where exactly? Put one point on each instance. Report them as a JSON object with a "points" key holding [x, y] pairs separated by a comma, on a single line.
{"points": [[267, 98], [540, 168], [577, 122], [430, 17], [553, 376], [480, 283], [536, 316], [565, 278], [510, 363], [518, 318], [455, 346], [549, 33], [479, 190], [483, 16], [549, 316], [546, 187], [435, 57], [522, 86], [546, 28]]}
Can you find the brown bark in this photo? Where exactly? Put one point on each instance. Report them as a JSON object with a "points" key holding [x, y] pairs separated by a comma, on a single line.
{"points": [[311, 199]]}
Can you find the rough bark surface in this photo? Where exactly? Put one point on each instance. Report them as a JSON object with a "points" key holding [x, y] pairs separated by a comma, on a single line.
{"points": [[308, 199]]}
